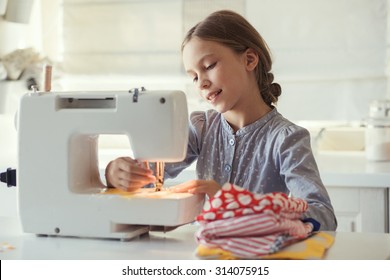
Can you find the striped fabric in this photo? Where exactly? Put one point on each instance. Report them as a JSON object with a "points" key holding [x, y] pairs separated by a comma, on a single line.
{"points": [[251, 225]]}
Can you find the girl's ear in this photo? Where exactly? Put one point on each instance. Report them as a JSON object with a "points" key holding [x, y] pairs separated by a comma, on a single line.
{"points": [[252, 59]]}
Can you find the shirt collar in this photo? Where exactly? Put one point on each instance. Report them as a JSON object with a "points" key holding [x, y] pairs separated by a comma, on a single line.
{"points": [[251, 127]]}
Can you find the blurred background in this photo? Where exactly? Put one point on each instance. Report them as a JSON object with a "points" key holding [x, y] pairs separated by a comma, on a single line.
{"points": [[330, 57]]}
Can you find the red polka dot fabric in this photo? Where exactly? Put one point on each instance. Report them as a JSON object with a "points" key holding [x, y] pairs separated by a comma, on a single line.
{"points": [[234, 201]]}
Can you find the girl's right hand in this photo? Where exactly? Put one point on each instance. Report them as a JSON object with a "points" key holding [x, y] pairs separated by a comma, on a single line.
{"points": [[128, 174]]}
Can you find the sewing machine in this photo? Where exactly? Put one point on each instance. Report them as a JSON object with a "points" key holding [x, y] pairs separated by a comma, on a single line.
{"points": [[59, 187]]}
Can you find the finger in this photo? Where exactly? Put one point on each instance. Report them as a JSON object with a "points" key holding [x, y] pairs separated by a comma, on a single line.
{"points": [[134, 176], [140, 179], [131, 185], [132, 166], [135, 182], [136, 164], [145, 165], [124, 164], [140, 170]]}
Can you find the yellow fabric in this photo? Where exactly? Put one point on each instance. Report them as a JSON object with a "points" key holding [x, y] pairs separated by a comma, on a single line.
{"points": [[313, 247], [214, 253]]}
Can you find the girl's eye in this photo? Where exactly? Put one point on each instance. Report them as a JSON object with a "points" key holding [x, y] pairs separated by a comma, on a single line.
{"points": [[195, 79], [211, 66]]}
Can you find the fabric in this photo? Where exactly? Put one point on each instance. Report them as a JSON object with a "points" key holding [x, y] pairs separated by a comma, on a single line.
{"points": [[251, 225], [233, 201], [269, 155], [252, 236], [312, 248]]}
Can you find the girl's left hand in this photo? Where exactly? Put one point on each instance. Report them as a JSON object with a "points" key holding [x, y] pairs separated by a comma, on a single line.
{"points": [[209, 187]]}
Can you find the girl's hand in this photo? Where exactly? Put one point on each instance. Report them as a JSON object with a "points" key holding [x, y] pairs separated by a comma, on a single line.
{"points": [[128, 174], [209, 187]]}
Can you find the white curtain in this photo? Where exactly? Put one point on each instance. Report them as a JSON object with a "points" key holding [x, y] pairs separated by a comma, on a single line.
{"points": [[329, 56]]}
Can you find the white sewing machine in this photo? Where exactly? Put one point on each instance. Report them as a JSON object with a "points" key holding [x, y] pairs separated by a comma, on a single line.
{"points": [[59, 186]]}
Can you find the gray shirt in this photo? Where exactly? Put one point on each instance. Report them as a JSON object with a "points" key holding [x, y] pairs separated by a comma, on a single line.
{"points": [[269, 155]]}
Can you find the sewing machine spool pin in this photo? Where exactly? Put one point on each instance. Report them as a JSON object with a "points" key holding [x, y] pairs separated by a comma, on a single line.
{"points": [[135, 92]]}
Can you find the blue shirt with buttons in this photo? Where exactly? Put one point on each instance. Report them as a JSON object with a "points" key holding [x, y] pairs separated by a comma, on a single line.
{"points": [[269, 155]]}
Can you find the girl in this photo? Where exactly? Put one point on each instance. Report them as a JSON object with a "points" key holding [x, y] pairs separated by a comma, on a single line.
{"points": [[244, 140]]}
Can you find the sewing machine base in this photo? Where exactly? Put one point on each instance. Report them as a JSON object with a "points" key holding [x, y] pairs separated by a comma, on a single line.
{"points": [[133, 231], [112, 214], [129, 232]]}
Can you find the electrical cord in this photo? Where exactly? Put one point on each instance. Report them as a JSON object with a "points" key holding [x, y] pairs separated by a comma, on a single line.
{"points": [[9, 177]]}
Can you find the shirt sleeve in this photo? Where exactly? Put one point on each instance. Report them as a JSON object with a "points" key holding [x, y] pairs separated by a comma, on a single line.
{"points": [[300, 173], [196, 128]]}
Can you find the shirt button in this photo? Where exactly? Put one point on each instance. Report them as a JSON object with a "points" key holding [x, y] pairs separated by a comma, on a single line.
{"points": [[232, 142], [228, 168]]}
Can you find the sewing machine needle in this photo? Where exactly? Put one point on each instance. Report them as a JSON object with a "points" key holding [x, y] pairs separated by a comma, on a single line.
{"points": [[159, 176]]}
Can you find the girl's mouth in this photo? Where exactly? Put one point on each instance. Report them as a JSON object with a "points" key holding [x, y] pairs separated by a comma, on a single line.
{"points": [[211, 96]]}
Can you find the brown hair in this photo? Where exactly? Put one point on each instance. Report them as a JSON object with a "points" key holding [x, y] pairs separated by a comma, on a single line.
{"points": [[234, 31]]}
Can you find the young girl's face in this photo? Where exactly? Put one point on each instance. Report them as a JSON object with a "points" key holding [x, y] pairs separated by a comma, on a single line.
{"points": [[219, 74]]}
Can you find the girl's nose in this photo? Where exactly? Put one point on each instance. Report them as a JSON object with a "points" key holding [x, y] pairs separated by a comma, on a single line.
{"points": [[205, 83]]}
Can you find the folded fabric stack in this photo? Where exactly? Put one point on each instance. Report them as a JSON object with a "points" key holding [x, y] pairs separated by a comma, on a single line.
{"points": [[241, 224]]}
